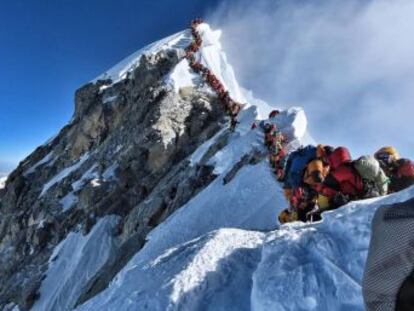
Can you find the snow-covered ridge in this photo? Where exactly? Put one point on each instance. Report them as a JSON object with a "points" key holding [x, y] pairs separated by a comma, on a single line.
{"points": [[119, 72], [210, 55], [213, 57]]}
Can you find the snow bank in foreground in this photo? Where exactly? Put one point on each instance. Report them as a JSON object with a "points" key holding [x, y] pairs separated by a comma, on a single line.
{"points": [[319, 266], [74, 263], [299, 267], [212, 272]]}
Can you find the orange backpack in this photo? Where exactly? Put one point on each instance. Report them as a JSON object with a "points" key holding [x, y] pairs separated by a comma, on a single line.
{"points": [[316, 172]]}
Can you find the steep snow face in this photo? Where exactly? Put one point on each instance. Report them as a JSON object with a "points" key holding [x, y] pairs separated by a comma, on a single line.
{"points": [[213, 57], [74, 263]]}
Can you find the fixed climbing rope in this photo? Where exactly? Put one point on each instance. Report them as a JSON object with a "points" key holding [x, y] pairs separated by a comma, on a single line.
{"points": [[231, 106]]}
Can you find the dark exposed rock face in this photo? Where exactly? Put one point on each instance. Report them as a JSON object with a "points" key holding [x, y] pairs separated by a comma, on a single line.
{"points": [[124, 152]]}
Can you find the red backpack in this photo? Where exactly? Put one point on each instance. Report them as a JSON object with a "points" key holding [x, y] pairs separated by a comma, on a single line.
{"points": [[406, 169], [338, 157], [350, 182]]}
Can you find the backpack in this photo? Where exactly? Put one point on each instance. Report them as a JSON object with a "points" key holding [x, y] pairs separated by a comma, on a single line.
{"points": [[338, 157], [405, 168], [402, 175], [350, 182], [296, 165], [369, 168]]}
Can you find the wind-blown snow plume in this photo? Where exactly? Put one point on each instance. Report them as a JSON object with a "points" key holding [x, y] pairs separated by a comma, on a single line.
{"points": [[349, 63]]}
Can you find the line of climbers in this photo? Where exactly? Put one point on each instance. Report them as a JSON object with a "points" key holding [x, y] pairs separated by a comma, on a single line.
{"points": [[321, 178], [318, 178], [231, 106]]}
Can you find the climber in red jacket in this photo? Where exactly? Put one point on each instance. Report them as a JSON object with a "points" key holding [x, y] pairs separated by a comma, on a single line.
{"points": [[273, 113], [342, 183]]}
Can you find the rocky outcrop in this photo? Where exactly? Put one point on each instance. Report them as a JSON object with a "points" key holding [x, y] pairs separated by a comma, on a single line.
{"points": [[125, 153]]}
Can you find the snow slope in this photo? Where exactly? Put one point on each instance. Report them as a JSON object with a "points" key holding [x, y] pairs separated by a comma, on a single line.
{"points": [[298, 267], [208, 273], [251, 201]]}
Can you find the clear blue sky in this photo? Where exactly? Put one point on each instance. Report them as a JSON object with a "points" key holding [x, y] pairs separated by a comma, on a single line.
{"points": [[50, 48]]}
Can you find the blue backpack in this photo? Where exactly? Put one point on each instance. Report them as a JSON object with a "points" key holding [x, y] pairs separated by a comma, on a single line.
{"points": [[296, 164]]}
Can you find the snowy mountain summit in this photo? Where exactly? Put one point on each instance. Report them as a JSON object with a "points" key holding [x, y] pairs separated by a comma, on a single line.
{"points": [[146, 201]]}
